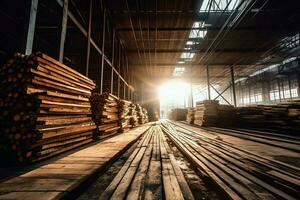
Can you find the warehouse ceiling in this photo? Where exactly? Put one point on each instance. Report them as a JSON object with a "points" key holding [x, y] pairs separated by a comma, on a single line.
{"points": [[166, 35]]}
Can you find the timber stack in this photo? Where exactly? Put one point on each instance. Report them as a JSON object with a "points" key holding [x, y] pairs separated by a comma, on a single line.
{"points": [[105, 113], [133, 119], [206, 113], [227, 116], [283, 116], [44, 108], [141, 114], [190, 115], [124, 117], [178, 114]]}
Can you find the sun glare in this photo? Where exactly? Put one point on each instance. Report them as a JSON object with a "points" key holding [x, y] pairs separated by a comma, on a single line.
{"points": [[172, 94]]}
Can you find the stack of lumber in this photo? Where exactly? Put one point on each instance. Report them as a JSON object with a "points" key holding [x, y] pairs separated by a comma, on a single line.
{"points": [[142, 114], [44, 108], [281, 116], [133, 119], [206, 113], [227, 115], [105, 113], [178, 114], [190, 116], [145, 116], [124, 117]]}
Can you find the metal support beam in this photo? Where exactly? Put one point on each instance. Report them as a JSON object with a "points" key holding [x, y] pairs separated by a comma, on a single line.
{"points": [[103, 48], [233, 85], [31, 27], [89, 39], [220, 95], [63, 33], [113, 62], [119, 66], [208, 82]]}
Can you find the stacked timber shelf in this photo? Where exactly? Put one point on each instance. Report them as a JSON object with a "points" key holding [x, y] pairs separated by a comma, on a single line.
{"points": [[190, 116], [45, 108], [206, 113], [105, 113], [124, 117]]}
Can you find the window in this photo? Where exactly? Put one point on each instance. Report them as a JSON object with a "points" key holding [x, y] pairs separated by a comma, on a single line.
{"points": [[178, 71]]}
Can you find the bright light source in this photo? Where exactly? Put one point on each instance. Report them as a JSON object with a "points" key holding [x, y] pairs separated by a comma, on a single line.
{"points": [[178, 71], [172, 94]]}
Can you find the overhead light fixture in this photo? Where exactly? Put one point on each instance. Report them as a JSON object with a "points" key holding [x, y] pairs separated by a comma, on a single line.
{"points": [[180, 62]]}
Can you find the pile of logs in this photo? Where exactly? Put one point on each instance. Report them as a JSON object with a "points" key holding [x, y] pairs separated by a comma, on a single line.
{"points": [[206, 113], [190, 116], [178, 114], [44, 108], [105, 113], [124, 117]]}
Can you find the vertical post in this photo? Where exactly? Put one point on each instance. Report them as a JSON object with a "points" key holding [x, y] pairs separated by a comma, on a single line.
{"points": [[63, 30], [208, 82], [278, 84], [113, 63], [89, 39], [119, 66], [103, 46], [233, 85], [289, 80], [31, 27]]}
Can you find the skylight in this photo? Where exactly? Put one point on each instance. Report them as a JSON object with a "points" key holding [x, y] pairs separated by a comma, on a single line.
{"points": [[178, 71], [218, 5]]}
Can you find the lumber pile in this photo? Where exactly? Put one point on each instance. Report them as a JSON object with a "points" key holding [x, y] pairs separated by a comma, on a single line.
{"points": [[206, 113], [190, 115], [284, 116], [44, 108], [142, 114], [178, 114], [105, 113], [133, 119], [124, 117], [227, 115]]}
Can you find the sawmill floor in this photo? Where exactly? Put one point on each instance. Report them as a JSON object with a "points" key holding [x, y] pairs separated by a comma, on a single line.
{"points": [[63, 176], [171, 160]]}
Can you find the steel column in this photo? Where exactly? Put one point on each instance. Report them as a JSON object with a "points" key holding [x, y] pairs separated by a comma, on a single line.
{"points": [[89, 39], [208, 82], [113, 62], [103, 46], [233, 85], [119, 66], [64, 23], [31, 27]]}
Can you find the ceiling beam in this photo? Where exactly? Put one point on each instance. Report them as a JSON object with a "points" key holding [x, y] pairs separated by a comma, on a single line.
{"points": [[225, 50]]}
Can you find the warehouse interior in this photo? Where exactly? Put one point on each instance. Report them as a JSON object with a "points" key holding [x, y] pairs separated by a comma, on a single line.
{"points": [[160, 99]]}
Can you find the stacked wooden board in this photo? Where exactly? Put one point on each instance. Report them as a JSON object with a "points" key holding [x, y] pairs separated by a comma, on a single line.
{"points": [[227, 115], [133, 119], [44, 108], [178, 114], [150, 172], [105, 113], [206, 113], [124, 117], [142, 115], [284, 116], [190, 116]]}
